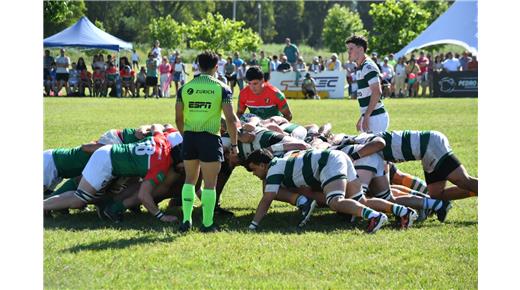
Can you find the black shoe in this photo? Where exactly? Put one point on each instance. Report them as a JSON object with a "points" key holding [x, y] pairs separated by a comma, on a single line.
{"points": [[211, 229], [136, 209], [442, 213], [112, 216], [223, 211], [185, 226], [306, 209]]}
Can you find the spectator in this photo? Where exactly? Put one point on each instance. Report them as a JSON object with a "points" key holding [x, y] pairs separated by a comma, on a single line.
{"points": [[333, 64], [350, 67], [376, 60], [442, 57], [81, 65], [110, 80], [423, 62], [85, 81], [221, 67], [241, 75], [265, 65], [300, 67], [322, 63], [400, 78], [109, 60], [464, 60], [156, 50], [165, 69], [47, 61], [230, 73], [50, 81], [253, 60], [291, 52], [99, 81], [123, 62], [273, 66], [412, 72], [195, 68], [451, 63], [315, 65], [127, 80], [179, 72], [309, 87], [473, 64], [151, 76], [98, 63], [73, 80], [437, 64], [171, 58], [141, 80], [62, 72], [391, 60], [284, 66], [237, 61], [135, 59], [387, 76]]}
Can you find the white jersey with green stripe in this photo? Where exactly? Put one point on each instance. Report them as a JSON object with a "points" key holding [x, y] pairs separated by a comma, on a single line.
{"points": [[263, 139], [294, 130], [309, 168], [366, 75], [405, 145], [373, 162]]}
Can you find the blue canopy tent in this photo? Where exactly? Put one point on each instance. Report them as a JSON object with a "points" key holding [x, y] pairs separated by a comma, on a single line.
{"points": [[458, 25], [85, 34]]}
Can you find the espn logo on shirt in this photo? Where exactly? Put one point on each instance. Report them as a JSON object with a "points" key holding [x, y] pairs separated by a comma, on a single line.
{"points": [[199, 105]]}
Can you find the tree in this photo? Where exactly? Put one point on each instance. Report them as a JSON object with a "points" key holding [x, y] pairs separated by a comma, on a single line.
{"points": [[289, 19], [167, 31], [339, 24], [396, 24], [436, 8], [222, 35], [58, 15], [247, 11]]}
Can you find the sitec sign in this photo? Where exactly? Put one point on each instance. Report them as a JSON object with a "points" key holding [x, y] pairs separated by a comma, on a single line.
{"points": [[455, 84], [331, 81]]}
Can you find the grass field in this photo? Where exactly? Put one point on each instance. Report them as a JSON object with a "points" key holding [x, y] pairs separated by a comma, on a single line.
{"points": [[82, 252]]}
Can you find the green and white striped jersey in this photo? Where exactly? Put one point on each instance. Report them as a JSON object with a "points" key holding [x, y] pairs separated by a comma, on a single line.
{"points": [[263, 139], [400, 145], [366, 75], [309, 168]]}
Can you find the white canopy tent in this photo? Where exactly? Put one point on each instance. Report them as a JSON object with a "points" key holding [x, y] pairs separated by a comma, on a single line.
{"points": [[458, 25]]}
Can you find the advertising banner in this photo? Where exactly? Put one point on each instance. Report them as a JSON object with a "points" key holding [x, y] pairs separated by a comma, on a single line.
{"points": [[329, 84], [455, 84]]}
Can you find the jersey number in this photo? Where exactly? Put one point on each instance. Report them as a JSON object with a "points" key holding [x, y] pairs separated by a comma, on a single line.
{"points": [[145, 148]]}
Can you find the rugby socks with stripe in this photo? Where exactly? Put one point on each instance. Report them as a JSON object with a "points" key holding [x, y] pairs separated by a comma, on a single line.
{"points": [[368, 213], [69, 185], [399, 210], [433, 204], [208, 199], [188, 197], [412, 182]]}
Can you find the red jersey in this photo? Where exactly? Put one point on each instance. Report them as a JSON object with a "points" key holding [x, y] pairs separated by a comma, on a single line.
{"points": [[269, 103]]}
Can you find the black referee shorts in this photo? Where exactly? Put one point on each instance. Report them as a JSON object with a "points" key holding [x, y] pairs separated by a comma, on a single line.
{"points": [[203, 146]]}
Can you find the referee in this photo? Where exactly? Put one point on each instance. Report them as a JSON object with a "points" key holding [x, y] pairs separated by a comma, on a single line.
{"points": [[197, 115]]}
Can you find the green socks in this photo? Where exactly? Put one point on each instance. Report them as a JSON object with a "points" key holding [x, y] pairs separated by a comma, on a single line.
{"points": [[208, 199], [188, 196], [69, 185]]}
